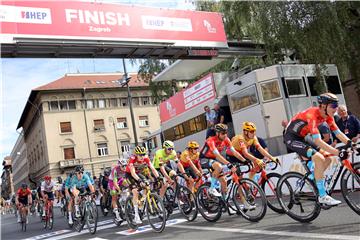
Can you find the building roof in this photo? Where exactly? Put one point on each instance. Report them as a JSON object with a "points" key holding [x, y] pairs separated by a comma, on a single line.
{"points": [[91, 80], [81, 81]]}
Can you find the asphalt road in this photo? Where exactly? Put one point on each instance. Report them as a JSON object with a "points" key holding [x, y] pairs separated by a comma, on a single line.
{"points": [[337, 223]]}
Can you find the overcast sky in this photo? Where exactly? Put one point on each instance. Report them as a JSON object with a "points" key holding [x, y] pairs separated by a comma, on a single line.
{"points": [[19, 76]]}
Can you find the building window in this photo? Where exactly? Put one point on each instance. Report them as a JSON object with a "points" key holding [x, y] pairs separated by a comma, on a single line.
{"points": [[63, 105], [295, 87], [69, 153], [243, 99], [123, 102], [101, 103], [179, 131], [89, 104], [54, 105], [125, 146], [102, 149], [143, 121], [270, 90], [145, 101], [99, 125], [333, 84], [121, 123], [113, 102], [65, 127], [72, 104]]}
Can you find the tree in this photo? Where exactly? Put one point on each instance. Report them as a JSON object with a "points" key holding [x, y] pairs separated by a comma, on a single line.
{"points": [[319, 32]]}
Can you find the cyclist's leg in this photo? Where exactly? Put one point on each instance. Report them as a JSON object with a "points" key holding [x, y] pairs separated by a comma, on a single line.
{"points": [[134, 189], [114, 199], [191, 176]]}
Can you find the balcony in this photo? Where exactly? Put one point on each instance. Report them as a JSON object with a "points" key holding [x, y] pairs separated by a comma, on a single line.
{"points": [[70, 163]]}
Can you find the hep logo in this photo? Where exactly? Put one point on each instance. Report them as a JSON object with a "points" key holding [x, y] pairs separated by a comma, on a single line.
{"points": [[33, 15]]}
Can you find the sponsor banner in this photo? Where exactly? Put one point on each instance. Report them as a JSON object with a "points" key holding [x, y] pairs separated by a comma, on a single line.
{"points": [[197, 93], [83, 20]]}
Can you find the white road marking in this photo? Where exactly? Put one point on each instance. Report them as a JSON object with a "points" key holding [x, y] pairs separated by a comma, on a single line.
{"points": [[266, 232], [97, 238], [46, 235], [147, 228]]}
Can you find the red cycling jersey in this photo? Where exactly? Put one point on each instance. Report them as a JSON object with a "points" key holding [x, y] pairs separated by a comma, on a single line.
{"points": [[139, 165], [213, 143], [23, 193], [308, 121]]}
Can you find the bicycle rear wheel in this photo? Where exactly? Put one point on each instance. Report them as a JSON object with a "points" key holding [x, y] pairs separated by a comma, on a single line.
{"points": [[156, 213], [269, 188], [187, 203], [250, 200], [23, 221], [350, 188], [298, 197], [210, 207], [91, 217]]}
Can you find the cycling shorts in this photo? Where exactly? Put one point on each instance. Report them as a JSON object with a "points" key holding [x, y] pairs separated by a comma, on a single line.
{"points": [[300, 145], [133, 183]]}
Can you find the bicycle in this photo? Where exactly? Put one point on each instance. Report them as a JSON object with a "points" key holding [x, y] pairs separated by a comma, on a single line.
{"points": [[41, 208], [181, 197], [268, 183], [64, 204], [149, 203], [299, 190], [121, 202], [88, 213], [23, 218], [49, 215], [211, 207]]}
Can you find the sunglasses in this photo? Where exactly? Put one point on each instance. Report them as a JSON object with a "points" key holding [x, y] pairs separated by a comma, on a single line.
{"points": [[170, 149], [334, 105], [142, 155], [80, 172], [251, 131], [223, 133], [194, 148]]}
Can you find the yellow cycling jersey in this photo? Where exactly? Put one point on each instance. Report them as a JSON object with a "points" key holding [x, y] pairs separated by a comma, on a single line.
{"points": [[239, 142], [185, 155]]}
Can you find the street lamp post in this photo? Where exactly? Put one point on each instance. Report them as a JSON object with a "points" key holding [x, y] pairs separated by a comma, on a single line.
{"points": [[125, 81], [111, 119]]}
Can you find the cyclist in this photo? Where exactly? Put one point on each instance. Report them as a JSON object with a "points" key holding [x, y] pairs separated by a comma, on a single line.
{"points": [[306, 123], [47, 188], [136, 165], [164, 160], [34, 198], [211, 157], [66, 187], [242, 144], [189, 164], [22, 200], [116, 180], [58, 190], [104, 189], [80, 183]]}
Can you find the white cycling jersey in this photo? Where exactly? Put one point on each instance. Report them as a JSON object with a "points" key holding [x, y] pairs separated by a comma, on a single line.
{"points": [[47, 187]]}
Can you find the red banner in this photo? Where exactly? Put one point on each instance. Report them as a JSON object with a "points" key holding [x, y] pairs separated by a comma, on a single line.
{"points": [[197, 93], [98, 21]]}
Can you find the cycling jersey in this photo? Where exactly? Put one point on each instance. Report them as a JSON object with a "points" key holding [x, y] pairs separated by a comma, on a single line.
{"points": [[184, 158], [139, 166], [84, 182], [23, 193], [214, 144], [307, 122], [67, 183], [240, 144], [117, 174], [162, 157], [47, 187]]}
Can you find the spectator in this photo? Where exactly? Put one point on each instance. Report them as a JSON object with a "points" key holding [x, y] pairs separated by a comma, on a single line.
{"points": [[348, 124], [220, 114], [284, 124], [255, 152], [210, 119], [326, 134]]}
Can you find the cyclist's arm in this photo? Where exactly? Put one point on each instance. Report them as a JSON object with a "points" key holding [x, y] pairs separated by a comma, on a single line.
{"points": [[153, 170], [163, 171], [220, 157], [29, 199], [181, 167], [192, 165], [133, 172], [237, 154]]}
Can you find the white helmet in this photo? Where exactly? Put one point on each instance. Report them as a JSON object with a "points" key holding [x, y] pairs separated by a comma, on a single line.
{"points": [[122, 162]]}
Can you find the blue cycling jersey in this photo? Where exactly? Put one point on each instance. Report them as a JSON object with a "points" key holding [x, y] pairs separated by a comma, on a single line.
{"points": [[84, 182]]}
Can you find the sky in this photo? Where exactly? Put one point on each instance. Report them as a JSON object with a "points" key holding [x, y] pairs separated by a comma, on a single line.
{"points": [[20, 75]]}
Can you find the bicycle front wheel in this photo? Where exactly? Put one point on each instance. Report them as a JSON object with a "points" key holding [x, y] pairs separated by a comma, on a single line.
{"points": [[50, 218], [298, 197], [269, 188], [210, 207], [91, 217], [130, 213], [250, 200], [156, 212], [350, 187], [187, 203]]}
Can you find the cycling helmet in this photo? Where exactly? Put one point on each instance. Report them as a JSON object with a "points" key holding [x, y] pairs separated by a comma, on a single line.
{"points": [[327, 98], [140, 150], [79, 169], [107, 172], [24, 185], [122, 162], [59, 179], [249, 126], [193, 144], [168, 144], [47, 178], [221, 127]]}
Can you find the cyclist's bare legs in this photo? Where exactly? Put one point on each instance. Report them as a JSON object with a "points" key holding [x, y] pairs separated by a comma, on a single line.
{"points": [[321, 164], [216, 173]]}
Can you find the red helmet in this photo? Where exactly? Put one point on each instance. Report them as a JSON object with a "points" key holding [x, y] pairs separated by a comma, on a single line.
{"points": [[47, 178]]}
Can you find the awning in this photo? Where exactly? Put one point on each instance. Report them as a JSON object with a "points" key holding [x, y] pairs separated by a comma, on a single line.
{"points": [[186, 69]]}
